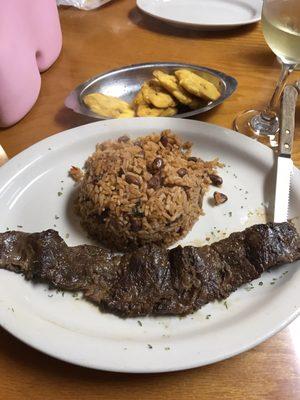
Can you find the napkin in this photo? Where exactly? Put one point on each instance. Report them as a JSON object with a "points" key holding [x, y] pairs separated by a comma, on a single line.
{"points": [[83, 4]]}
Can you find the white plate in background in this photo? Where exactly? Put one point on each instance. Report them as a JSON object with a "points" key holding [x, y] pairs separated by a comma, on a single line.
{"points": [[36, 194], [204, 14]]}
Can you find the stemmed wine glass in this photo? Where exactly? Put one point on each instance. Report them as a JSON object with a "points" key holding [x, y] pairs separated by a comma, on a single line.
{"points": [[281, 28]]}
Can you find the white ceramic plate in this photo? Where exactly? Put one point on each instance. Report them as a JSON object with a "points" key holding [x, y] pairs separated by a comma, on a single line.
{"points": [[204, 14], [76, 331]]}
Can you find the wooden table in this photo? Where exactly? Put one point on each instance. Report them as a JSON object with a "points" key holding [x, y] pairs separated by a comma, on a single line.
{"points": [[114, 36]]}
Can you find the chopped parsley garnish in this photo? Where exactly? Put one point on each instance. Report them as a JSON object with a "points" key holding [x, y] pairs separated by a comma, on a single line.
{"points": [[249, 287]]}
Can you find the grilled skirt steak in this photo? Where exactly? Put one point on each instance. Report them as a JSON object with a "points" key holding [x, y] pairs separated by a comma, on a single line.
{"points": [[151, 280]]}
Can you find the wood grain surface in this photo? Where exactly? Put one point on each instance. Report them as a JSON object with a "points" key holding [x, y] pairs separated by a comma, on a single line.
{"points": [[113, 36]]}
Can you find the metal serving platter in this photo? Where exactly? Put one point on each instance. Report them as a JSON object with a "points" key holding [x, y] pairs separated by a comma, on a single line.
{"points": [[125, 83]]}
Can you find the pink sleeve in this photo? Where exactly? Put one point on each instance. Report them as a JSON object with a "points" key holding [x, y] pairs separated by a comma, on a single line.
{"points": [[30, 42]]}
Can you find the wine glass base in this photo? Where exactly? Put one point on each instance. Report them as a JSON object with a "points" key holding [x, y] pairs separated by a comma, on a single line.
{"points": [[251, 124]]}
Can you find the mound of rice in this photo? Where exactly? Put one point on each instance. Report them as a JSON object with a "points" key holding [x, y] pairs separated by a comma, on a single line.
{"points": [[147, 190]]}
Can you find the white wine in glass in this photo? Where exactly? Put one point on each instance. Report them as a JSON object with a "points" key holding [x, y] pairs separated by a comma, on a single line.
{"points": [[282, 31], [281, 28]]}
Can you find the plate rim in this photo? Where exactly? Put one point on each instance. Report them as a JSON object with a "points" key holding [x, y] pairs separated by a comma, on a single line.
{"points": [[139, 121]]}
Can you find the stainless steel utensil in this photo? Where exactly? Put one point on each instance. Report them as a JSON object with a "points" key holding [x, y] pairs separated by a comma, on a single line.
{"points": [[125, 82], [284, 161], [3, 156]]}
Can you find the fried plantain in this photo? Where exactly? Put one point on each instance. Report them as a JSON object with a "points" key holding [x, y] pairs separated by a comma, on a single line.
{"points": [[156, 96], [197, 85], [139, 99], [145, 110], [170, 83], [108, 106]]}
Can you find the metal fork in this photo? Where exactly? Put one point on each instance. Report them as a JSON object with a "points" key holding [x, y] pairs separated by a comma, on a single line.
{"points": [[3, 156]]}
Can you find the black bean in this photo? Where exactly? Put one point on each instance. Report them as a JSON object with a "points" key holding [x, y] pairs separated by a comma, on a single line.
{"points": [[194, 159], [135, 224], [182, 172], [123, 139], [220, 198], [121, 172], [131, 179], [180, 230], [103, 216], [154, 182], [164, 140], [157, 164], [216, 180]]}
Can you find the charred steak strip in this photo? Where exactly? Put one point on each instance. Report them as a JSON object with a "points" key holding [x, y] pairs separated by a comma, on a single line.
{"points": [[152, 279]]}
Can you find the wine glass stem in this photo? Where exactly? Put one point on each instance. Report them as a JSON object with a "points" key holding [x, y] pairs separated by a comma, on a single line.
{"points": [[270, 111]]}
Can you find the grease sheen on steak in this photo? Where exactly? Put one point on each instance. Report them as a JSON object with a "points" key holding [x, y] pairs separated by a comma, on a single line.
{"points": [[151, 280]]}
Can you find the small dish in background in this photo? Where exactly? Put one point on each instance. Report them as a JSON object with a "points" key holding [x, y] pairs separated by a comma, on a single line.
{"points": [[125, 83], [209, 15]]}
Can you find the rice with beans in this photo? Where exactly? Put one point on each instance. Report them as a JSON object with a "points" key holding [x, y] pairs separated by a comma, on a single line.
{"points": [[141, 191]]}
